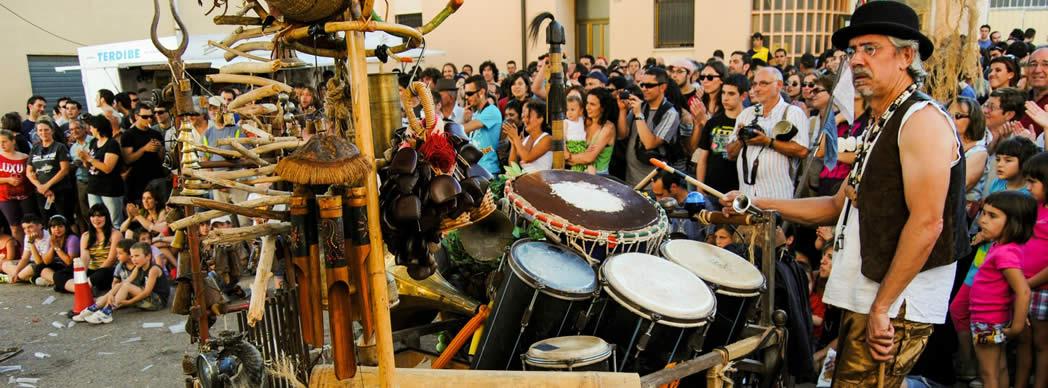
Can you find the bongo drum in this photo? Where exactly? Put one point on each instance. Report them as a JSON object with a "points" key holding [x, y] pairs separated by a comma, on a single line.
{"points": [[542, 291], [736, 283], [570, 353], [655, 312], [594, 215]]}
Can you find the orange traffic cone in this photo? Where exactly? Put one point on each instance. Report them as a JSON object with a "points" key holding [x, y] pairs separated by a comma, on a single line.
{"points": [[82, 297]]}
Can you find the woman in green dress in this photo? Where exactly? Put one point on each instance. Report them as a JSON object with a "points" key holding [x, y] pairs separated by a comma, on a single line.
{"points": [[601, 111]]}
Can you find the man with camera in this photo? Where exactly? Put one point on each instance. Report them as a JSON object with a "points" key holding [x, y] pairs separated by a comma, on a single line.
{"points": [[650, 124], [770, 138]]}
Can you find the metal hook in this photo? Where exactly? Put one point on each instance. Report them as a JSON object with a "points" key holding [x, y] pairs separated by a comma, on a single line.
{"points": [[183, 42]]}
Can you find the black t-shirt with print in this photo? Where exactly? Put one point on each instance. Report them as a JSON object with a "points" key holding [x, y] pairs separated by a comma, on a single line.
{"points": [[720, 171], [98, 182], [47, 161]]}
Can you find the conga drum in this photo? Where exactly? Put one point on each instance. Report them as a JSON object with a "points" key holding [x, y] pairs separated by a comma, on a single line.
{"points": [[570, 353], [596, 216], [656, 311], [736, 283], [543, 289]]}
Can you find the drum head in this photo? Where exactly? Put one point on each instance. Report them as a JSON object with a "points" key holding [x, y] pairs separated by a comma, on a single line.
{"points": [[560, 272], [571, 351], [592, 201], [715, 265], [649, 284]]}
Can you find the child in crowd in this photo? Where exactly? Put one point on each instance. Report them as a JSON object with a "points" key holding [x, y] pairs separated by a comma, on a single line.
{"points": [[120, 274], [1035, 263], [1007, 219], [575, 130], [143, 285], [37, 243], [824, 318], [60, 253], [1011, 154]]}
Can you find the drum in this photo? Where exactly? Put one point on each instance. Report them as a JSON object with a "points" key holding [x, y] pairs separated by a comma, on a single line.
{"points": [[596, 216], [736, 283], [571, 353], [543, 289], [656, 311]]}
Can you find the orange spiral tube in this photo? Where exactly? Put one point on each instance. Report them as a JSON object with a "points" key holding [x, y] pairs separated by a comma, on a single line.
{"points": [[461, 337]]}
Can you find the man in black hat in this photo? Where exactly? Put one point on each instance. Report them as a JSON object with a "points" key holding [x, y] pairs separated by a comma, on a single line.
{"points": [[900, 217]]}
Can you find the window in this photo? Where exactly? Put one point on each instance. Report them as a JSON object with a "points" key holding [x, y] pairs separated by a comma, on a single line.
{"points": [[410, 19], [674, 23], [1018, 3], [799, 26]]}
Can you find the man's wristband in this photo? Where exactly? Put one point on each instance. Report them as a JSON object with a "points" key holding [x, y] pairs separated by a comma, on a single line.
{"points": [[639, 117], [771, 143]]}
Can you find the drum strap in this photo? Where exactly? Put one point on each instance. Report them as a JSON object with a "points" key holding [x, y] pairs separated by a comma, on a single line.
{"points": [[524, 321]]}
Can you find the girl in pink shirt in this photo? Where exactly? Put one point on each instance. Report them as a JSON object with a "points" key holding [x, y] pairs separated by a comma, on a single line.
{"points": [[1000, 296], [1035, 263]]}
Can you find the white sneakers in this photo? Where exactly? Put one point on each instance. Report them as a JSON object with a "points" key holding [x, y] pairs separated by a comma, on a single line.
{"points": [[99, 317]]}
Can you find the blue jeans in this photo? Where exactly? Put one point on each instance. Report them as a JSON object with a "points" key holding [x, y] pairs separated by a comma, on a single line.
{"points": [[114, 204]]}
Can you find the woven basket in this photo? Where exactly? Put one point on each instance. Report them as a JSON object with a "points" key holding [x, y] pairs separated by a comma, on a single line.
{"points": [[486, 207], [309, 10]]}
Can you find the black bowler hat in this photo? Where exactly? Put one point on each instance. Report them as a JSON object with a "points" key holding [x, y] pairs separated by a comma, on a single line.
{"points": [[890, 18]]}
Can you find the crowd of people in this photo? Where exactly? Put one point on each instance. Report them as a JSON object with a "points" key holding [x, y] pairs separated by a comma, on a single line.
{"points": [[94, 187]]}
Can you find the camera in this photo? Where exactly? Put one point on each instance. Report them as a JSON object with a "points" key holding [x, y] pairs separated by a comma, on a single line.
{"points": [[624, 94], [749, 131]]}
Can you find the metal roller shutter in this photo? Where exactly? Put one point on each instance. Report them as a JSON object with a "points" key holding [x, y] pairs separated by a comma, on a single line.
{"points": [[51, 84]]}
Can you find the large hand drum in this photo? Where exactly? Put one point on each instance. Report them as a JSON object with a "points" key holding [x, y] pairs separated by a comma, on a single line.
{"points": [[543, 290], [596, 216], [736, 283], [657, 311]]}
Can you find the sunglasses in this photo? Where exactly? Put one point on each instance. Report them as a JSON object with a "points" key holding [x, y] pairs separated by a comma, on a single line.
{"points": [[808, 84], [649, 85], [470, 94], [160, 112], [817, 91], [960, 115], [708, 77], [147, 117], [795, 84]]}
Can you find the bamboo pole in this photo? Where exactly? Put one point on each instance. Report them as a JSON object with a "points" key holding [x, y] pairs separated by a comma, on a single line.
{"points": [[376, 262], [245, 233], [232, 184], [278, 146], [249, 154], [247, 80], [212, 214], [254, 95], [229, 208], [233, 53], [236, 174], [255, 140], [265, 179]]}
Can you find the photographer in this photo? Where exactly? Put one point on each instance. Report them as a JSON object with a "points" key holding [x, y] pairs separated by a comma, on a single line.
{"points": [[767, 163], [650, 125]]}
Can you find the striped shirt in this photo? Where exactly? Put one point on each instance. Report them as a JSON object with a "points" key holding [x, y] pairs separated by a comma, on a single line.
{"points": [[775, 171]]}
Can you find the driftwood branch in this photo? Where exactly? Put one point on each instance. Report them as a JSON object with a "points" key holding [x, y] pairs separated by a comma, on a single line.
{"points": [[212, 214], [256, 110], [256, 309], [248, 47], [242, 33], [252, 68], [236, 174], [247, 80], [234, 52], [224, 20], [278, 146], [232, 184], [254, 95], [228, 208], [214, 150], [255, 131], [245, 233], [255, 140], [265, 179], [249, 154]]}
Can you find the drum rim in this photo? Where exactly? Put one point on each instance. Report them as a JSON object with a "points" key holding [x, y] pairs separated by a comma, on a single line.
{"points": [[719, 288], [525, 277], [646, 313], [653, 231], [604, 354]]}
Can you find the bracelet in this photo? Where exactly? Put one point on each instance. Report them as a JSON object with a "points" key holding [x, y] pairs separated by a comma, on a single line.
{"points": [[771, 143]]}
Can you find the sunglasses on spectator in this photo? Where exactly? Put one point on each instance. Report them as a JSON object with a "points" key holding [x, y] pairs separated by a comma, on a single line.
{"points": [[808, 84], [817, 90], [147, 117], [795, 84], [649, 85], [708, 77], [470, 94], [960, 115]]}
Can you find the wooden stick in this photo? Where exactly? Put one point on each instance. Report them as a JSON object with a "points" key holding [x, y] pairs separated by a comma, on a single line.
{"points": [[229, 208], [237, 20], [247, 80], [232, 184], [256, 110], [249, 154], [212, 214], [265, 179], [262, 275], [234, 52], [245, 233], [248, 47], [255, 140], [324, 376], [254, 95], [242, 33], [252, 68], [284, 145], [214, 150], [236, 174], [255, 131], [376, 265]]}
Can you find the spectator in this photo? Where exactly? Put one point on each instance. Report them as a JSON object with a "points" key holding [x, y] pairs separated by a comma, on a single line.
{"points": [[793, 91], [59, 255], [35, 107], [80, 140], [48, 170], [482, 122], [780, 59], [1037, 82], [37, 243], [596, 79], [429, 77], [601, 111], [449, 110], [150, 216], [757, 50], [1003, 110], [713, 164], [123, 106], [142, 150], [848, 135], [995, 37], [1003, 73], [806, 64], [491, 75], [740, 63], [71, 112], [667, 185], [15, 189], [712, 78], [105, 98], [833, 60], [121, 272], [984, 37], [971, 127], [145, 287], [467, 70], [769, 171], [680, 72], [98, 250], [449, 71], [519, 90], [102, 157], [649, 125], [511, 67], [534, 152]]}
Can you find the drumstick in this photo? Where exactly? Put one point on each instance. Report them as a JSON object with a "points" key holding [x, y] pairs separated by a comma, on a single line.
{"points": [[704, 187], [880, 376], [644, 182], [338, 285]]}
